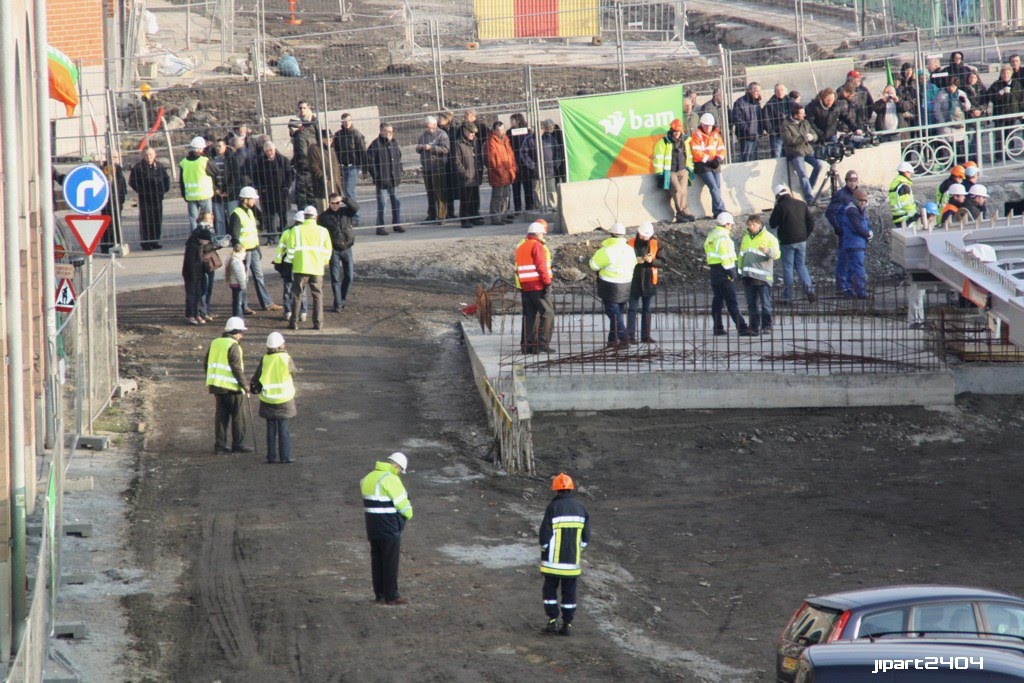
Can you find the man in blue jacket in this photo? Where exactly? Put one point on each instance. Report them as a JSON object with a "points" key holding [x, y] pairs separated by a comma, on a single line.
{"points": [[748, 122], [837, 206], [856, 234]]}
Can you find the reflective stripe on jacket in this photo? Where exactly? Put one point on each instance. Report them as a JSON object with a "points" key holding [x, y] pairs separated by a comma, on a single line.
{"points": [[719, 249], [198, 183], [248, 233], [563, 534], [902, 205], [218, 368], [614, 261], [664, 149], [312, 248], [530, 275], [385, 501], [753, 263], [286, 246], [276, 379], [706, 146]]}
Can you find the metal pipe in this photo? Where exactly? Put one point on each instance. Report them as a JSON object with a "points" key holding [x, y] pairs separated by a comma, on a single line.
{"points": [[45, 187], [10, 123]]}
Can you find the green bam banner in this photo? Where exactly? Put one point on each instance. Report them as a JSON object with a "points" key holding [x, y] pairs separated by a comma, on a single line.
{"points": [[614, 135]]}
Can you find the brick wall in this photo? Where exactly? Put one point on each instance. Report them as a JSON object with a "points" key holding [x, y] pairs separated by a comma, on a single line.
{"points": [[75, 27]]}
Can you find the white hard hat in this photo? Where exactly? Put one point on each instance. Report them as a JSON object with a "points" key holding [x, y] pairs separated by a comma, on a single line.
{"points": [[780, 189], [400, 460], [725, 218], [275, 340], [617, 229], [300, 216], [978, 191], [956, 188], [538, 227], [707, 119], [646, 230], [248, 192], [234, 323], [905, 167], [971, 171], [198, 143], [310, 211]]}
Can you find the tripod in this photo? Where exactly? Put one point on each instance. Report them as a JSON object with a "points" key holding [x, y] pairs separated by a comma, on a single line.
{"points": [[833, 177]]}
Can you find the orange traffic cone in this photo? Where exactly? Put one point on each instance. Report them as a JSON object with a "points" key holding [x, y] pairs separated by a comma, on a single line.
{"points": [[293, 21]]}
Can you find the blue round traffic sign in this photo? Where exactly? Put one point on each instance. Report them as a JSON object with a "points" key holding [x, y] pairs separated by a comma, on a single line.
{"points": [[86, 189]]}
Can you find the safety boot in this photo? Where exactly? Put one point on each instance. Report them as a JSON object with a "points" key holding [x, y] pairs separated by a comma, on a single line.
{"points": [[566, 629], [552, 626]]}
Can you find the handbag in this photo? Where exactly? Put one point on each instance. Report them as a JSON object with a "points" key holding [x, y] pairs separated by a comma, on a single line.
{"points": [[211, 262]]}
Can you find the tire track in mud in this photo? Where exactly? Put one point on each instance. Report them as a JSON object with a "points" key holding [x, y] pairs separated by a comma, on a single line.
{"points": [[222, 590]]}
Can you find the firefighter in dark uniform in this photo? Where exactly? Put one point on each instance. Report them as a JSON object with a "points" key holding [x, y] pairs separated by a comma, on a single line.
{"points": [[563, 534]]}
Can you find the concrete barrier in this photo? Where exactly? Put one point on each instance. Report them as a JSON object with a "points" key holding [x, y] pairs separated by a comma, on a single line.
{"points": [[746, 187]]}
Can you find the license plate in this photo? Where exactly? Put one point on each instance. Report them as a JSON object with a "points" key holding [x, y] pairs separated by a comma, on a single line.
{"points": [[789, 663]]}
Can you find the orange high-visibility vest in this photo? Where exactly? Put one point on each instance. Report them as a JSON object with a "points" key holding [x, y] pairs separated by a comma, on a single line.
{"points": [[654, 254]]}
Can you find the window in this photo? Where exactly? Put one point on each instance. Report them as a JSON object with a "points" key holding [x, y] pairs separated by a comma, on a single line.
{"points": [[957, 617], [811, 624], [891, 621], [1003, 619]]}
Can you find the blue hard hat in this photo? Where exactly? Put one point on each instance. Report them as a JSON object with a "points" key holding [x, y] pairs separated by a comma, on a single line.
{"points": [[931, 208]]}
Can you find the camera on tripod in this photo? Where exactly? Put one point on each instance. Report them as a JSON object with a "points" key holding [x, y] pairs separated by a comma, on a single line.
{"points": [[846, 146]]}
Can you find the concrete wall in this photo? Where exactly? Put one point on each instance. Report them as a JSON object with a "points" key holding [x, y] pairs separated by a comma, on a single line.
{"points": [[747, 187], [704, 390]]}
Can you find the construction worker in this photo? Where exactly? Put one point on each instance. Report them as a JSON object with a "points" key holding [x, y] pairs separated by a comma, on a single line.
{"points": [[972, 175], [533, 277], [708, 150], [758, 252], [563, 534], [225, 377], [311, 245], [720, 255], [931, 213], [956, 175], [649, 257], [673, 161], [387, 509], [977, 196], [283, 265], [901, 196], [244, 229], [840, 199], [614, 263], [273, 382], [196, 180], [856, 235], [955, 207]]}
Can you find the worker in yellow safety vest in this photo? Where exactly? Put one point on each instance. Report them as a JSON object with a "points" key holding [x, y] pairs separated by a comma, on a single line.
{"points": [[276, 388], [225, 378], [387, 508], [310, 246], [614, 263], [244, 229], [720, 255], [196, 180], [901, 196]]}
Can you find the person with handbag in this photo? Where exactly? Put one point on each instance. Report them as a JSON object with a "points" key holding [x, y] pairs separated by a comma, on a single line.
{"points": [[193, 271], [211, 264]]}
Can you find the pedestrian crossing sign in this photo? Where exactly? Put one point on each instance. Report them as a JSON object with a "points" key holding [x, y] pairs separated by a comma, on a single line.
{"points": [[65, 299]]}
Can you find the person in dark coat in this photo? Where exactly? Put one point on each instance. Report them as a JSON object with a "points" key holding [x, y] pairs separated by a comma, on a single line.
{"points": [[446, 124], [272, 177], [469, 173], [776, 111], [277, 397], [747, 121], [522, 192], [564, 533], [792, 221], [327, 174], [338, 221], [824, 115], [384, 162], [114, 207], [1005, 97], [193, 271], [650, 256], [350, 147], [218, 154], [304, 130], [151, 181]]}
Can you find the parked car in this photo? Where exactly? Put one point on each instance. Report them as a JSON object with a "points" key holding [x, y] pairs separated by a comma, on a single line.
{"points": [[897, 610], [908, 660]]}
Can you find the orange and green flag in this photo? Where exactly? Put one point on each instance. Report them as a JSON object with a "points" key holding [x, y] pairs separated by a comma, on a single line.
{"points": [[614, 135], [63, 79]]}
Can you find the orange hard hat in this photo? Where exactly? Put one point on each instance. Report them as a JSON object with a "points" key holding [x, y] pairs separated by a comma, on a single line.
{"points": [[562, 482], [958, 171], [676, 125]]}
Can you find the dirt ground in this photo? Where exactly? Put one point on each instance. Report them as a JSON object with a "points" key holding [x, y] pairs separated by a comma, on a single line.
{"points": [[709, 527]]}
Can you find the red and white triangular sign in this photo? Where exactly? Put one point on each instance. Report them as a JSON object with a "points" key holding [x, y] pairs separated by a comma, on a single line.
{"points": [[88, 230], [64, 301]]}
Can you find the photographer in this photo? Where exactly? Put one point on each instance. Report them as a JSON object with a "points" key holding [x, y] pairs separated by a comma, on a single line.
{"points": [[825, 116], [797, 139], [891, 113]]}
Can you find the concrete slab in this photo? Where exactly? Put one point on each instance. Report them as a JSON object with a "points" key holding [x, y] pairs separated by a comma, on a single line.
{"points": [[695, 369]]}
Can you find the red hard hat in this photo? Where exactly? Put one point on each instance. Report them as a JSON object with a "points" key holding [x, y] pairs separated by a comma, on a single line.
{"points": [[562, 482]]}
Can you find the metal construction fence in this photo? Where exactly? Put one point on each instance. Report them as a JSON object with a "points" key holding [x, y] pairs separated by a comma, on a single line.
{"points": [[832, 335], [83, 386]]}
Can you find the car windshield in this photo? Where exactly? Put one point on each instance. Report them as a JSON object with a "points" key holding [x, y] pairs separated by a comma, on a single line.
{"points": [[1003, 619], [811, 624]]}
